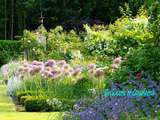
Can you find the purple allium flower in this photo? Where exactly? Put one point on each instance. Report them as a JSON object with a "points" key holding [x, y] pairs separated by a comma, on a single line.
{"points": [[77, 71], [50, 63], [50, 74], [61, 62], [40, 64], [66, 66], [34, 62]]}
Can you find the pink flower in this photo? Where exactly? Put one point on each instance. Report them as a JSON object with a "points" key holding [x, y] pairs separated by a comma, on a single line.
{"points": [[61, 62], [77, 71], [65, 66], [50, 63], [91, 66], [34, 62], [117, 60], [99, 72], [114, 66]]}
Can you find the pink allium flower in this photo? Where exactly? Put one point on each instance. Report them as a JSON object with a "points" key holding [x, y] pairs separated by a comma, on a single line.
{"points": [[50, 63], [40, 64], [99, 72], [66, 66], [114, 66], [61, 62], [117, 60], [34, 62], [91, 66], [77, 71]]}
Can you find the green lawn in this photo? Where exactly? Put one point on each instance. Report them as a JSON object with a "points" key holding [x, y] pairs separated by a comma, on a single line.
{"points": [[7, 110], [29, 116], [6, 104]]}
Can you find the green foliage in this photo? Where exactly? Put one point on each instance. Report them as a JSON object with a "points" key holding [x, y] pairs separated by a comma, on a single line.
{"points": [[23, 99], [32, 44], [60, 42], [68, 104], [155, 22], [8, 51], [20, 94], [55, 104], [35, 104], [120, 37]]}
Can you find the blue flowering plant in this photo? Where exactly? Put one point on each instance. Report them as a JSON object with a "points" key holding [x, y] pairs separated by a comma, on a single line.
{"points": [[120, 107]]}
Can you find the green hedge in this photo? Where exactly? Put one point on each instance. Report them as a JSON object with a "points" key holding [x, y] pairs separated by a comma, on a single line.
{"points": [[34, 104], [9, 49]]}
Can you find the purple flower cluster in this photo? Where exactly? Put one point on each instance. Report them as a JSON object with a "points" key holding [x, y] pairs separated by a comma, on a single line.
{"points": [[53, 69], [97, 72], [109, 108]]}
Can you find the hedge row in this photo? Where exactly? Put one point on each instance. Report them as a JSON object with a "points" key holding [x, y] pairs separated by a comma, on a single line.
{"points": [[9, 49]]}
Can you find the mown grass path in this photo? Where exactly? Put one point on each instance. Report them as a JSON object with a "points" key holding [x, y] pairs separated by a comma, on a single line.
{"points": [[8, 112], [6, 104]]}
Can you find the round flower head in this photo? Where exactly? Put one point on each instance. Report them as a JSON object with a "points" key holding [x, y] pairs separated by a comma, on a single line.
{"points": [[117, 60], [77, 71], [61, 62], [91, 66], [99, 72], [34, 62], [40, 64], [66, 66], [50, 63]]}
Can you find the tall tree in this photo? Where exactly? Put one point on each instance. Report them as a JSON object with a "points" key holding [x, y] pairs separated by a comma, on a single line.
{"points": [[12, 19], [5, 12]]}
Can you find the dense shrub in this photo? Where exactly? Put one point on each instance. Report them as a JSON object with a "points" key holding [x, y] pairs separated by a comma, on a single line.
{"points": [[9, 50], [120, 37], [20, 94], [34, 43], [55, 103], [35, 104], [68, 104], [23, 99]]}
